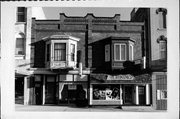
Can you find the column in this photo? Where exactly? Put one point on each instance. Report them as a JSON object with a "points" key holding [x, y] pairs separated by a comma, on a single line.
{"points": [[137, 95], [147, 94], [43, 99], [90, 97], [120, 91], [26, 91]]}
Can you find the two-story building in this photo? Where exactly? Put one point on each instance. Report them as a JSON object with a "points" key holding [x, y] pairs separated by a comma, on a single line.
{"points": [[94, 60], [155, 20]]}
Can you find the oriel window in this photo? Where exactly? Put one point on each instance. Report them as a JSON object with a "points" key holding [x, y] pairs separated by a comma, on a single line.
{"points": [[21, 14], [60, 52]]}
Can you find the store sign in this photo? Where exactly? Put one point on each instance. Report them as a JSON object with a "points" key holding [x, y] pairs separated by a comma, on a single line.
{"points": [[72, 87], [121, 77]]}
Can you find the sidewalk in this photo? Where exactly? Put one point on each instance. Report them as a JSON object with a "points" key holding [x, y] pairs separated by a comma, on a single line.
{"points": [[72, 108]]}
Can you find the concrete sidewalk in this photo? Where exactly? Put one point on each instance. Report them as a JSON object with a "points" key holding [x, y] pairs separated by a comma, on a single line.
{"points": [[73, 108]]}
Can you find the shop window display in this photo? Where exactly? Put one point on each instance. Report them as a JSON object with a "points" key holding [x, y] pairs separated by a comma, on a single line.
{"points": [[106, 92]]}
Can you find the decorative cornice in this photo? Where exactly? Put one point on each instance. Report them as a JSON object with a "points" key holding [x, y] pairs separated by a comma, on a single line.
{"points": [[161, 10], [161, 38]]}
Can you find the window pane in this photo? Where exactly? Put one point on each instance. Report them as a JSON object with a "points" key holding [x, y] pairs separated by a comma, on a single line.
{"points": [[59, 51], [130, 52], [123, 52], [48, 52], [117, 52], [19, 46], [21, 14], [72, 52]]}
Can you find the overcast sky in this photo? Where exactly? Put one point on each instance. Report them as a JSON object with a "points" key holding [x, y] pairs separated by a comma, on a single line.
{"points": [[53, 12]]}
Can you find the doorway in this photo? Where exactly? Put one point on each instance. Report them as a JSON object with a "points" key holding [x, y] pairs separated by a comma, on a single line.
{"points": [[128, 94], [142, 98], [50, 91]]}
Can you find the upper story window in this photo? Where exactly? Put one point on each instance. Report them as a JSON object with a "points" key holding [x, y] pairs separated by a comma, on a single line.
{"points": [[119, 52], [162, 17], [72, 52], [162, 40], [131, 54], [21, 14], [60, 52], [20, 46]]}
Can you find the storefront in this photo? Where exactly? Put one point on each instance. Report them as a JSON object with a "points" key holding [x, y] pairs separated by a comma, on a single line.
{"points": [[52, 88], [120, 89]]}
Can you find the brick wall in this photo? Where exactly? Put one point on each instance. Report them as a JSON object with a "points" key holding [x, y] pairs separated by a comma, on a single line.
{"points": [[88, 29]]}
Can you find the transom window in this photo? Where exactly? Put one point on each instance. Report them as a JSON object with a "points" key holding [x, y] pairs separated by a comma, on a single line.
{"points": [[119, 52], [20, 44], [60, 52]]}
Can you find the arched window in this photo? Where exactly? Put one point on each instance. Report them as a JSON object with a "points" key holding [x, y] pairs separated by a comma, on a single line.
{"points": [[162, 12], [162, 40]]}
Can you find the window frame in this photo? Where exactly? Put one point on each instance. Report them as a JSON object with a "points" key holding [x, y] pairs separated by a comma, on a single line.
{"points": [[23, 47], [65, 49], [21, 13], [131, 45], [120, 58]]}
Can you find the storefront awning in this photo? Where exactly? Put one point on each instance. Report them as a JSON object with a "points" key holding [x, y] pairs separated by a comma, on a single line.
{"points": [[122, 78]]}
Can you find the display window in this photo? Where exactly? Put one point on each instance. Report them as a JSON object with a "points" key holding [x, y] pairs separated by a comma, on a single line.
{"points": [[106, 92]]}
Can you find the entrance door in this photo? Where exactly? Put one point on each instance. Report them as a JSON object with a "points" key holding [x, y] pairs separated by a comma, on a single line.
{"points": [[142, 99], [38, 94], [128, 94], [50, 93]]}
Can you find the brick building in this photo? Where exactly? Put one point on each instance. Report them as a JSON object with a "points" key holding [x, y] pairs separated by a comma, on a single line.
{"points": [[94, 60]]}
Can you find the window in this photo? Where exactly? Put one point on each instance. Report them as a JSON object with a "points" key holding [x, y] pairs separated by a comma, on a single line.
{"points": [[163, 49], [162, 17], [72, 52], [20, 44], [59, 51], [119, 52], [21, 14], [48, 52], [131, 56]]}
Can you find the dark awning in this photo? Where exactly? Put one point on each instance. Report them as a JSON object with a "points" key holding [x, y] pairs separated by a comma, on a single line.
{"points": [[121, 78]]}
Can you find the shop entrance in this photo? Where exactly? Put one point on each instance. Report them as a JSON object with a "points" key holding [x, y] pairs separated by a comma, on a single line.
{"points": [[142, 98], [128, 94], [50, 91], [19, 90]]}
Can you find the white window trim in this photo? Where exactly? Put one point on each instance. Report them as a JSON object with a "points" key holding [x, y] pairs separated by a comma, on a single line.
{"points": [[120, 44], [130, 45]]}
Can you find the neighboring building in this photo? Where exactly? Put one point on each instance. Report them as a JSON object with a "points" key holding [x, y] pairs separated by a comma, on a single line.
{"points": [[22, 52], [156, 50], [94, 59]]}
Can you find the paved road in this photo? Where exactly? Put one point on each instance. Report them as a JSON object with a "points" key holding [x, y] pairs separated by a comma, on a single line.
{"points": [[55, 108]]}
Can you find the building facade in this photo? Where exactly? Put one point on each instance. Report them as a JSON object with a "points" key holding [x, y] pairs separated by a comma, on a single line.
{"points": [[93, 60], [104, 65], [156, 50]]}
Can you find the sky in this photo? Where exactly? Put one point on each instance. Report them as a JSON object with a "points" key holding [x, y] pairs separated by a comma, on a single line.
{"points": [[53, 12]]}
